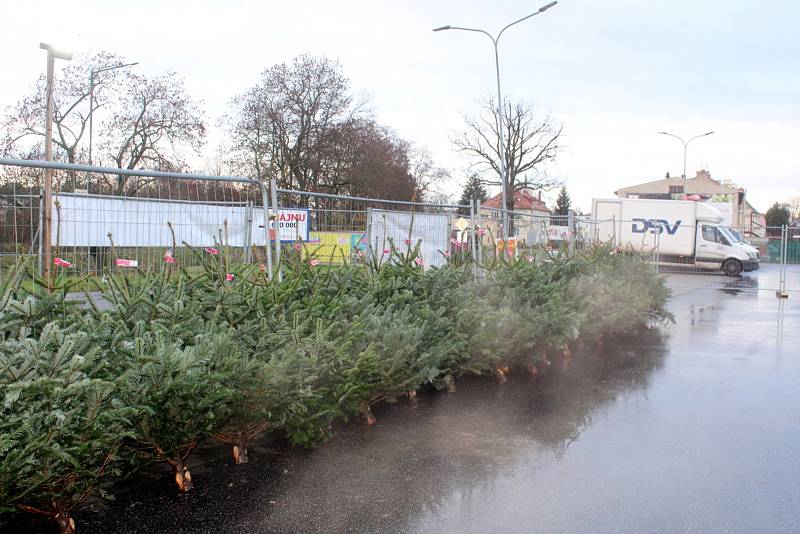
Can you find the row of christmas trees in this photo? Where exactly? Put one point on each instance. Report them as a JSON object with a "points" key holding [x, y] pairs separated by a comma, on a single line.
{"points": [[93, 388]]}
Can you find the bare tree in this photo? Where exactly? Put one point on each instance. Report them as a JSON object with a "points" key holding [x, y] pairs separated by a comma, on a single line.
{"points": [[283, 125], [301, 125], [154, 123], [149, 123], [425, 175], [530, 144], [794, 207], [24, 123]]}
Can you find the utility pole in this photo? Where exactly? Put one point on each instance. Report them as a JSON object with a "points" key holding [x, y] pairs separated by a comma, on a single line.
{"points": [[47, 197]]}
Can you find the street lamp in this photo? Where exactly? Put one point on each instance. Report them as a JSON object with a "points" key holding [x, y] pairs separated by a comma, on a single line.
{"points": [[501, 127], [685, 150], [91, 98], [53, 53]]}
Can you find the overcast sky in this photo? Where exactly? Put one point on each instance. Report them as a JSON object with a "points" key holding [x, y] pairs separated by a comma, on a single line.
{"points": [[614, 72]]}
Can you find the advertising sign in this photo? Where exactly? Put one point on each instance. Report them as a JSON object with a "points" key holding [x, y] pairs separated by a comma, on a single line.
{"points": [[292, 225]]}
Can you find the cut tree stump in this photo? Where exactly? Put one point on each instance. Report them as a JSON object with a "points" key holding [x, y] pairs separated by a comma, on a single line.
{"points": [[450, 384], [366, 411]]}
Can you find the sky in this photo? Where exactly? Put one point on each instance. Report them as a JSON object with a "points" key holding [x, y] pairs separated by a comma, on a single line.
{"points": [[613, 73]]}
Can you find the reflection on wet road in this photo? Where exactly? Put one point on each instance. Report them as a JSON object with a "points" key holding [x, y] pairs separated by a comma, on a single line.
{"points": [[694, 429]]}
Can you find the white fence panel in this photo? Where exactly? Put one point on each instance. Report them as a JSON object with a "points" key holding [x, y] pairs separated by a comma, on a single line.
{"points": [[432, 229]]}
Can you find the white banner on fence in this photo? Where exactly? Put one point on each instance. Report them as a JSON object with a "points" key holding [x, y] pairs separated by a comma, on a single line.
{"points": [[87, 221], [433, 229]]}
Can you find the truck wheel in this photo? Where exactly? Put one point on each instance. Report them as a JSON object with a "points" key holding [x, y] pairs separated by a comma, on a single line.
{"points": [[732, 267]]}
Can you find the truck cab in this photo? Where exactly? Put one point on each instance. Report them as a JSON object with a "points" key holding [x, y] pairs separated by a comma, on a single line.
{"points": [[716, 249]]}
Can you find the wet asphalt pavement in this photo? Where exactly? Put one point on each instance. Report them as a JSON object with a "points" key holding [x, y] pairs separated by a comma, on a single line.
{"points": [[692, 429]]}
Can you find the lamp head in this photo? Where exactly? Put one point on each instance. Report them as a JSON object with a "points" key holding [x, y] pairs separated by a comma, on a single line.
{"points": [[55, 52], [548, 6]]}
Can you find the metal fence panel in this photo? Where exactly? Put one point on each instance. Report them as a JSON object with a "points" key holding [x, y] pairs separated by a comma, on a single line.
{"points": [[128, 220]]}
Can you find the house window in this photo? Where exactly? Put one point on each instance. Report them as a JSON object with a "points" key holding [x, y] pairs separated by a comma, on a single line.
{"points": [[676, 189]]}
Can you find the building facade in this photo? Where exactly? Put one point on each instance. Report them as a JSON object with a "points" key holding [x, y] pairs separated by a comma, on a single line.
{"points": [[531, 215], [729, 198]]}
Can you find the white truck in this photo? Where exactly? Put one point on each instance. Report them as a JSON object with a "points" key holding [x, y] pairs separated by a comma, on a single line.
{"points": [[676, 233]]}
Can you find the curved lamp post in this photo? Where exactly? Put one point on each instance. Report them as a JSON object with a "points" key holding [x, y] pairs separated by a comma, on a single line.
{"points": [[685, 150], [501, 126]]}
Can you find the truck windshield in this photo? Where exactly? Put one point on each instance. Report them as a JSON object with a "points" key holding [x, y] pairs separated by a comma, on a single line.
{"points": [[715, 234], [732, 235]]}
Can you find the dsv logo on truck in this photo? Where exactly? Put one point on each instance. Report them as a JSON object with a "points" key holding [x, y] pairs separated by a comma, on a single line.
{"points": [[656, 226]]}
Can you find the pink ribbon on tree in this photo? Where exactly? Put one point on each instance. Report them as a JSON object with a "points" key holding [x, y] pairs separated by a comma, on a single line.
{"points": [[61, 263], [168, 257], [229, 277], [212, 251], [126, 263]]}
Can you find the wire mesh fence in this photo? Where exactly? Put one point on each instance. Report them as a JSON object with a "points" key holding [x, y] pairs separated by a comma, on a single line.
{"points": [[128, 221], [134, 221], [336, 229]]}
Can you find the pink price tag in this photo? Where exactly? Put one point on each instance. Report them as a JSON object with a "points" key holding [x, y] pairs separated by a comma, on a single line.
{"points": [[212, 251], [168, 257], [418, 260], [446, 253], [229, 277], [313, 263], [385, 251], [407, 241], [61, 263], [126, 263]]}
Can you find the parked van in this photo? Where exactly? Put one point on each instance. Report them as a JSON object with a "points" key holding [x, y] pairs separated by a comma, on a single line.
{"points": [[676, 233]]}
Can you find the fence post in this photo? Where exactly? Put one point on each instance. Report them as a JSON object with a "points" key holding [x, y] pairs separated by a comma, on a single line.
{"points": [[265, 203], [472, 236], [247, 241], [478, 224], [40, 255], [782, 294], [276, 210], [571, 225]]}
